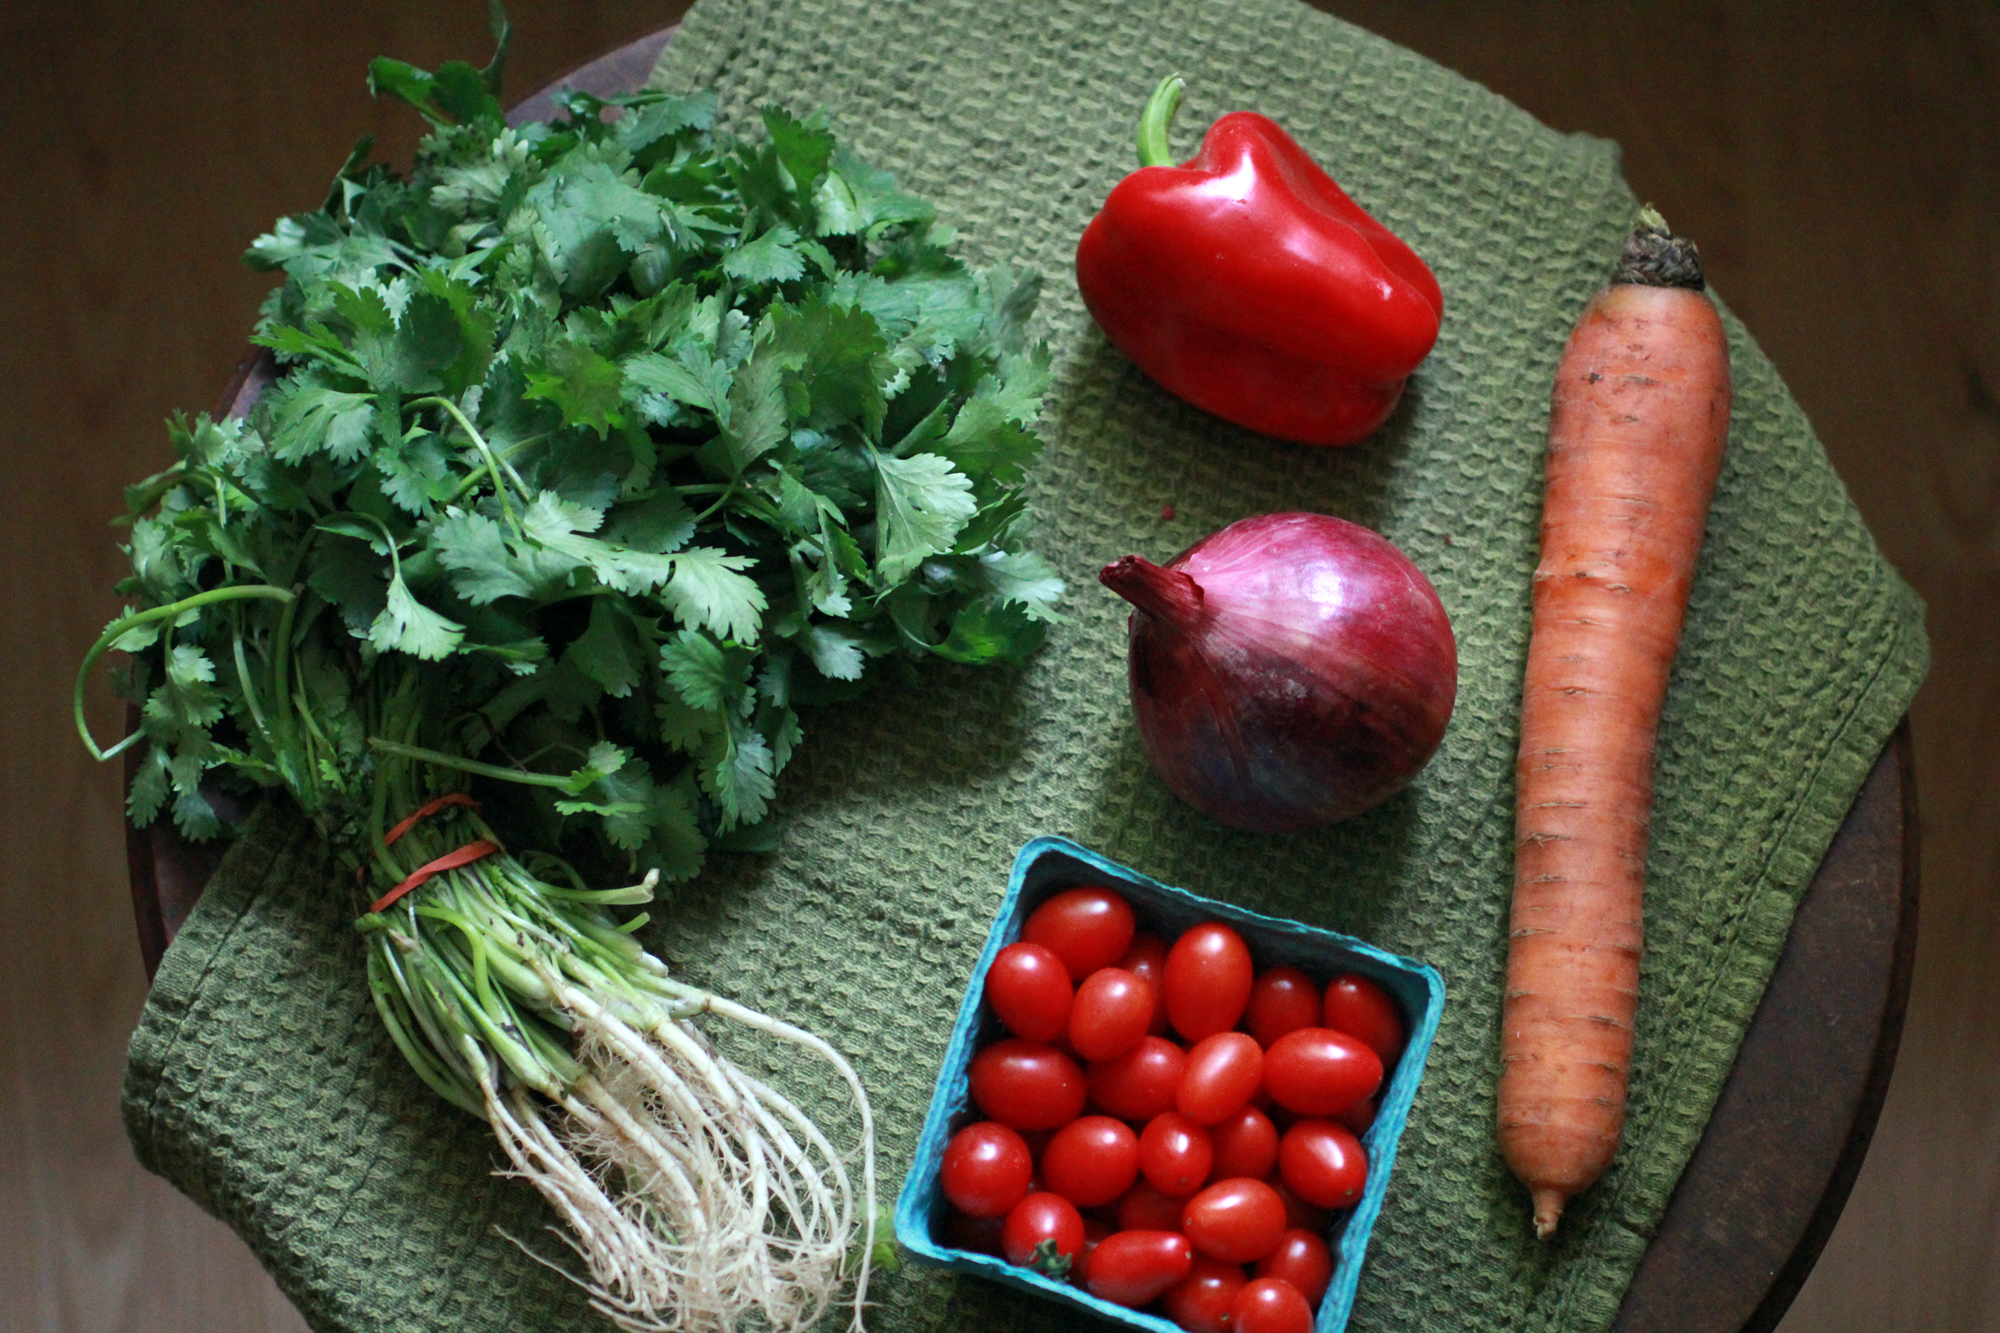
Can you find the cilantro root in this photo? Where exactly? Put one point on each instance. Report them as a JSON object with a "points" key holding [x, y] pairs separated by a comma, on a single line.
{"points": [[695, 1194], [599, 453]]}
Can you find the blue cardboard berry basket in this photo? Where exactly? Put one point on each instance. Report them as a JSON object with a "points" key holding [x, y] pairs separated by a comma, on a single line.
{"points": [[1047, 866]]}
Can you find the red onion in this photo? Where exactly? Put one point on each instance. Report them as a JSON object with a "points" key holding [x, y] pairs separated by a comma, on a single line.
{"points": [[1289, 671]]}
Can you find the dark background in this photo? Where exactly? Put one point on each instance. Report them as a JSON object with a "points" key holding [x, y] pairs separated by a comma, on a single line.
{"points": [[1837, 163]]}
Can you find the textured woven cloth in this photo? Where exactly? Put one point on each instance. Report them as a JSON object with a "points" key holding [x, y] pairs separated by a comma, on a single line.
{"points": [[260, 1083]]}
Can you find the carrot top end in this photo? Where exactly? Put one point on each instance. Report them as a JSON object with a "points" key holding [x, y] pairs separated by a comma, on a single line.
{"points": [[1655, 257]]}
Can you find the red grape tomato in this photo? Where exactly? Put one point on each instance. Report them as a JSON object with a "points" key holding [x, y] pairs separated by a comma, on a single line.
{"points": [[1026, 1085], [1175, 1154], [1246, 1144], [1302, 1259], [1201, 1301], [1282, 999], [1110, 1014], [1135, 1268], [1323, 1163], [1320, 1072], [1223, 1072], [1208, 980], [1088, 928], [1029, 989], [1141, 1083], [1147, 960], [1143, 1208], [985, 1169], [1037, 1219], [1238, 1221], [1362, 1009], [1091, 1160], [1270, 1305]]}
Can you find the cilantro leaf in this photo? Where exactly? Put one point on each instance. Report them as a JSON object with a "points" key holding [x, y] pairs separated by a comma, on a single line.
{"points": [[739, 771], [704, 674], [608, 650], [407, 625], [308, 417], [854, 198], [920, 504], [708, 588], [755, 422], [736, 424], [772, 257], [484, 570], [983, 440], [588, 388]]}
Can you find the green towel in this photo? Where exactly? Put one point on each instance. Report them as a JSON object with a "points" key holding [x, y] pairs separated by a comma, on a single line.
{"points": [[260, 1083]]}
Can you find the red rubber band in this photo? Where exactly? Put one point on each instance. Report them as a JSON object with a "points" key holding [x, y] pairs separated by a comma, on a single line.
{"points": [[464, 856], [426, 811]]}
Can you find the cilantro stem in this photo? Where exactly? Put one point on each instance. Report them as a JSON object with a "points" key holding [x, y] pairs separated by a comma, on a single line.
{"points": [[473, 766], [505, 456], [119, 628], [378, 845], [243, 679], [304, 706], [720, 501], [281, 646], [485, 450]]}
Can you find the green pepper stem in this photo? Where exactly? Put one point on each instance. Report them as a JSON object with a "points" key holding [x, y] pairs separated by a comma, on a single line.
{"points": [[1154, 120]]}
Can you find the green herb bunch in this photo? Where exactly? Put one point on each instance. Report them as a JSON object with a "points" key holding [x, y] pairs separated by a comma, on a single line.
{"points": [[596, 449], [591, 452]]}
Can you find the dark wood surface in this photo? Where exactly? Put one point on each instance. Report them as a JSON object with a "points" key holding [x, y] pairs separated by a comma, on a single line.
{"points": [[1772, 1172], [1768, 1181]]}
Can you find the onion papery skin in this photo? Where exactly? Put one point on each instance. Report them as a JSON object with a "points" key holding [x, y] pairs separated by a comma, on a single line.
{"points": [[1289, 671]]}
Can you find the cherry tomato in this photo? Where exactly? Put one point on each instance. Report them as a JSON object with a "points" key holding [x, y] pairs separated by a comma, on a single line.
{"points": [[1222, 1074], [1270, 1305], [1026, 1085], [1320, 1072], [1091, 1160], [1363, 1010], [1147, 960], [1029, 988], [985, 1169], [1135, 1268], [1282, 999], [1143, 1208], [1141, 1083], [1323, 1162], [1095, 1229], [1302, 1259], [1110, 1014], [1208, 980], [1238, 1221], [1201, 1301], [1300, 1215], [1043, 1220], [1088, 928], [1360, 1117], [1246, 1144], [1175, 1154]]}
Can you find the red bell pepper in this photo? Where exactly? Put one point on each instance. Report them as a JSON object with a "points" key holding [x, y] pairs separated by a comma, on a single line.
{"points": [[1246, 282]]}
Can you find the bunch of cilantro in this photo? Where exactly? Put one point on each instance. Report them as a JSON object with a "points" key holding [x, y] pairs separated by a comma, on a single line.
{"points": [[596, 449]]}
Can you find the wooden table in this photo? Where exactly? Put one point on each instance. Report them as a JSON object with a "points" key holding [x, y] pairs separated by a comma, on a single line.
{"points": [[1774, 1166]]}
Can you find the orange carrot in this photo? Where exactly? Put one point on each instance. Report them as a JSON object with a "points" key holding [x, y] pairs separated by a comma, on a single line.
{"points": [[1637, 426]]}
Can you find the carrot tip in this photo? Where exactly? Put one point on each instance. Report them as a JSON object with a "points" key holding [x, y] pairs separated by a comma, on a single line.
{"points": [[1548, 1210]]}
